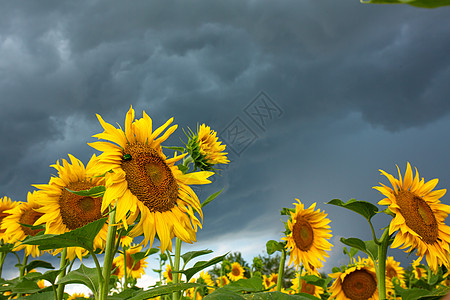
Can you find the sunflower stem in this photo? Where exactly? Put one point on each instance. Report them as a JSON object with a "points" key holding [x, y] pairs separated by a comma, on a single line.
{"points": [[381, 265], [109, 254], [99, 272], [176, 266], [22, 269], [377, 242], [62, 264], [300, 279], [125, 266], [2, 260], [281, 269]]}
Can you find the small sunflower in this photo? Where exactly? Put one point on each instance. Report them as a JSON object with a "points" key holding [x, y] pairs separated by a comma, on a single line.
{"points": [[358, 281], [77, 296], [134, 268], [140, 179], [419, 216], [301, 286], [64, 211], [222, 281], [168, 273], [205, 149], [418, 269], [117, 268], [308, 238], [24, 213], [237, 272], [267, 283], [204, 278], [393, 270], [5, 204]]}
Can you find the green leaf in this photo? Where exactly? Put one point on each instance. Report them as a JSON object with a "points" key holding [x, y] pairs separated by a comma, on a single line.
{"points": [[313, 279], [163, 290], [418, 3], [80, 237], [25, 286], [193, 254], [6, 248], [141, 255], [38, 264], [372, 249], [365, 209], [335, 270], [94, 192], [272, 246], [211, 198], [200, 265], [412, 294], [40, 296], [279, 296], [181, 149], [83, 275], [286, 211], [253, 284], [223, 294]]}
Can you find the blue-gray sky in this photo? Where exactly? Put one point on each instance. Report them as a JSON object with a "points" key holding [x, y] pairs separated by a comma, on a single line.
{"points": [[322, 94]]}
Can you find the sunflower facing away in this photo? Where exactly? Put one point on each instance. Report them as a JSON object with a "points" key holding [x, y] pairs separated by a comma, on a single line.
{"points": [[237, 272], [419, 216], [5, 204], [142, 180], [308, 237], [358, 281], [205, 149], [64, 211], [24, 213]]}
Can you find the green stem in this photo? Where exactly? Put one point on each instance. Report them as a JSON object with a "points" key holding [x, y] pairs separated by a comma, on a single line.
{"points": [[55, 293], [62, 265], [101, 282], [281, 270], [377, 242], [300, 279], [125, 267], [381, 266], [109, 254], [22, 269], [176, 266], [2, 260]]}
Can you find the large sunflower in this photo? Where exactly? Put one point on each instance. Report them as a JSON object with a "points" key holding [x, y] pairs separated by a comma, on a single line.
{"points": [[419, 216], [308, 237], [142, 180], [64, 211], [25, 213], [358, 281], [5, 204]]}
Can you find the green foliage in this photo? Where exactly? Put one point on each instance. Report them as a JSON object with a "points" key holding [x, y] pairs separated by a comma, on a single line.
{"points": [[417, 3], [83, 275], [94, 192], [273, 246], [162, 290], [211, 198], [200, 265], [188, 256], [365, 209]]}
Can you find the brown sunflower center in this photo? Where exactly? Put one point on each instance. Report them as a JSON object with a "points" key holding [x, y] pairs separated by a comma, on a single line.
{"points": [[149, 178], [308, 288], [419, 272], [359, 285], [28, 217], [235, 271], [390, 272], [418, 216], [131, 261], [169, 274], [77, 211], [303, 234]]}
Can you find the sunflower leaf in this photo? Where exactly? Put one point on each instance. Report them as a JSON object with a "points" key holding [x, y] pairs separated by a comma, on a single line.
{"points": [[200, 265], [83, 275], [355, 243], [412, 293], [193, 254], [211, 198], [220, 294], [418, 3], [94, 192], [80, 237], [181, 149], [279, 296], [162, 290], [38, 264], [253, 284], [365, 209], [273, 246]]}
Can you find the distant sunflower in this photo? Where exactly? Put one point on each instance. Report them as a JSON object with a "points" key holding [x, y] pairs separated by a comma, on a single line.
{"points": [[419, 216], [267, 283], [135, 268], [308, 237], [205, 149], [204, 278], [222, 281], [5, 204], [168, 273], [301, 286], [64, 211], [237, 272], [358, 281], [142, 180], [77, 296], [117, 267], [418, 269], [393, 270], [24, 213]]}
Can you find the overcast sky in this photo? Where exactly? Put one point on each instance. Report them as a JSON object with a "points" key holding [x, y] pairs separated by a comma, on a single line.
{"points": [[312, 97]]}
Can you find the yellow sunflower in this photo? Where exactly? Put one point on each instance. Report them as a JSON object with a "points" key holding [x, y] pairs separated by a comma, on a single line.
{"points": [[205, 149], [222, 281], [267, 283], [24, 213], [142, 180], [237, 272], [117, 267], [5, 204], [301, 286], [308, 237], [418, 269], [168, 273], [358, 281], [419, 216], [204, 278], [77, 296], [64, 211], [134, 268], [393, 269]]}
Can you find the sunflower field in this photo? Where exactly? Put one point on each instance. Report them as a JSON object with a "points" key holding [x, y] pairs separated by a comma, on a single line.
{"points": [[114, 208]]}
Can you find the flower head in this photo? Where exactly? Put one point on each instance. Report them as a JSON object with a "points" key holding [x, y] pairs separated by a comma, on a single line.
{"points": [[237, 272], [5, 204]]}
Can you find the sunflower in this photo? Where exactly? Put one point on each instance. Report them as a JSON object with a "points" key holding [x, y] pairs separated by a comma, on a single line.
{"points": [[168, 273], [222, 281], [205, 149], [77, 296], [358, 281], [140, 179], [301, 286], [5, 204], [419, 216], [117, 268], [24, 213], [134, 268], [418, 269], [307, 240], [237, 272], [393, 270], [267, 283], [204, 278], [64, 211]]}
